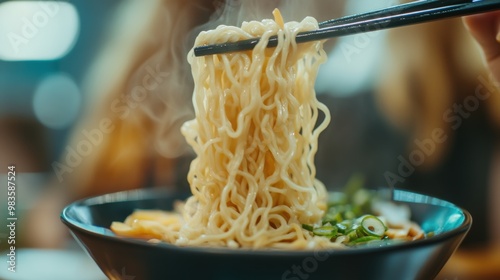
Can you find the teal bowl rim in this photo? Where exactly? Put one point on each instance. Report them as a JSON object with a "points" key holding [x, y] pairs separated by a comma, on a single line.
{"points": [[143, 194]]}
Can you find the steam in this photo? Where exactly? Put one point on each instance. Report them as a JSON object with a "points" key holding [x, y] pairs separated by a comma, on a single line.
{"points": [[168, 105]]}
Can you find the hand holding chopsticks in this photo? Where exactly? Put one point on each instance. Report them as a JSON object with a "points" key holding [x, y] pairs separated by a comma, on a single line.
{"points": [[396, 16]]}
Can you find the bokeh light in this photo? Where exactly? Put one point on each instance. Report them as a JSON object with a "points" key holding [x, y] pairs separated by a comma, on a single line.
{"points": [[37, 30], [57, 101]]}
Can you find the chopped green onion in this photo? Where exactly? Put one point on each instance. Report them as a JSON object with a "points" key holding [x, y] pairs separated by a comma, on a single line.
{"points": [[342, 227], [349, 215], [329, 231], [352, 235], [372, 226], [360, 231], [364, 239], [347, 223], [333, 218], [307, 227], [343, 220]]}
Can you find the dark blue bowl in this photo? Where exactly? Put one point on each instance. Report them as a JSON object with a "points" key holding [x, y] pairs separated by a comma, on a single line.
{"points": [[126, 258]]}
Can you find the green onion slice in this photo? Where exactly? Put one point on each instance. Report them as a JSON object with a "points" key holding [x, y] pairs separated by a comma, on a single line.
{"points": [[329, 231], [307, 227], [365, 239], [373, 226]]}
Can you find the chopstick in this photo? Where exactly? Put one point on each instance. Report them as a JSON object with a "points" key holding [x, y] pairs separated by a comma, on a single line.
{"points": [[413, 6], [396, 16]]}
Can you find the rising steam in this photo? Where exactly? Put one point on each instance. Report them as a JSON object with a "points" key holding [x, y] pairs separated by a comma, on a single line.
{"points": [[169, 104]]}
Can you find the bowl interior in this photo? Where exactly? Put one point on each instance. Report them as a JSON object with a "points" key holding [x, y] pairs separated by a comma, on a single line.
{"points": [[89, 221]]}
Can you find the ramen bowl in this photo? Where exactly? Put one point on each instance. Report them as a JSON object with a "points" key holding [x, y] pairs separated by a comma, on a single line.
{"points": [[127, 258]]}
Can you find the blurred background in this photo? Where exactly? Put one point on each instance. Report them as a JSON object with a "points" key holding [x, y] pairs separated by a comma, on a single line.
{"points": [[93, 93]]}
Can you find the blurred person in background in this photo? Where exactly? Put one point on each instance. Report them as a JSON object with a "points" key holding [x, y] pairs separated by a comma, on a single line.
{"points": [[436, 90], [140, 89]]}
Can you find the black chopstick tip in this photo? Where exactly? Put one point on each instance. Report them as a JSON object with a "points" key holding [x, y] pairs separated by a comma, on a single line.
{"points": [[203, 50], [230, 47], [217, 49]]}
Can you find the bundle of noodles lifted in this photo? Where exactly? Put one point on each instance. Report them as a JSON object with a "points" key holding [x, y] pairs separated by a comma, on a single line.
{"points": [[253, 180], [255, 135]]}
